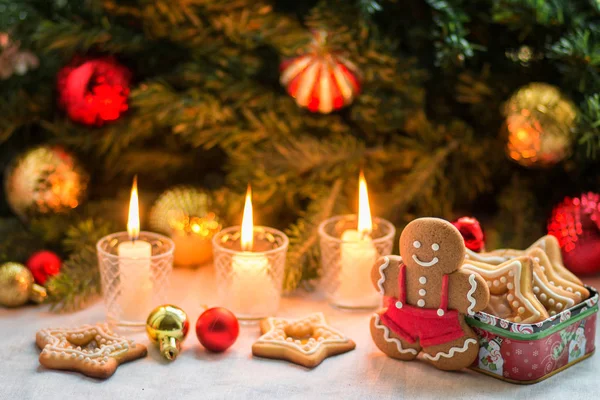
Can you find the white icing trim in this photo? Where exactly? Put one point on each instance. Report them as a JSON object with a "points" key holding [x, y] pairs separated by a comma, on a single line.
{"points": [[471, 255], [451, 352], [423, 263], [514, 265], [470, 297], [318, 320], [382, 267], [381, 280], [541, 283], [386, 336], [57, 341]]}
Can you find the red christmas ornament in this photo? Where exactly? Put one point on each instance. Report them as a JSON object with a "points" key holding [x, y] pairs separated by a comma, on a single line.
{"points": [[320, 80], [471, 231], [93, 91], [43, 264], [217, 329], [576, 224]]}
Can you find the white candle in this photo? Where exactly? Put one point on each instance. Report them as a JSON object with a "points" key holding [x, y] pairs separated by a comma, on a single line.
{"points": [[251, 288], [136, 289], [358, 254], [135, 279]]}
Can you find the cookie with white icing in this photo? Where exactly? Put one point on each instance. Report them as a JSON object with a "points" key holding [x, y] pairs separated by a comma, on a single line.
{"points": [[427, 297], [564, 287], [307, 341], [549, 244], [511, 289], [93, 350]]}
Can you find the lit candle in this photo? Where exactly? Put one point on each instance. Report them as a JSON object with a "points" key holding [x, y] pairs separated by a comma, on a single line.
{"points": [[134, 267], [358, 254], [251, 287]]}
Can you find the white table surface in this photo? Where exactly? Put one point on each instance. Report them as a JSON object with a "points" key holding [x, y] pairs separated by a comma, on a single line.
{"points": [[364, 373]]}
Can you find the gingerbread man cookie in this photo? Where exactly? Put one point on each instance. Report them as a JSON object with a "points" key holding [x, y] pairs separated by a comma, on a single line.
{"points": [[427, 296]]}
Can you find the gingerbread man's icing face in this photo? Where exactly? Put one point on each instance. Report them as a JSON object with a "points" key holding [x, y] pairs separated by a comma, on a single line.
{"points": [[433, 246]]}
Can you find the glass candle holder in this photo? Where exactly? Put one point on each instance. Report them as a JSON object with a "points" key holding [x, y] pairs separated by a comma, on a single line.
{"points": [[249, 282], [134, 284], [347, 264]]}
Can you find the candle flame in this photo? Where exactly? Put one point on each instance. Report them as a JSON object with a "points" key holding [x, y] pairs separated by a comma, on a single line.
{"points": [[133, 220], [248, 223], [365, 225]]}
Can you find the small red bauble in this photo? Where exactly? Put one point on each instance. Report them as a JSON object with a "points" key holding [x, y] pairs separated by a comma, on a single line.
{"points": [[576, 224], [93, 91], [471, 231], [43, 264], [217, 329], [320, 80]]}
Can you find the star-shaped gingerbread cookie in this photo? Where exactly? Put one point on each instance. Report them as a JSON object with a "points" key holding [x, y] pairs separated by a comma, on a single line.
{"points": [[93, 350], [307, 341]]}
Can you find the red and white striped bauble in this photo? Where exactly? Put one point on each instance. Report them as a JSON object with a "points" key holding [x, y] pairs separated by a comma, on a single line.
{"points": [[320, 80]]}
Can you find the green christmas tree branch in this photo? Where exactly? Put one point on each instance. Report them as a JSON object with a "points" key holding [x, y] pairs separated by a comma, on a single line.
{"points": [[79, 279], [303, 258]]}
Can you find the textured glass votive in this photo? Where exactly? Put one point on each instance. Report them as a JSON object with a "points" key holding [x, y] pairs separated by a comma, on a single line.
{"points": [[347, 260], [249, 282], [135, 276]]}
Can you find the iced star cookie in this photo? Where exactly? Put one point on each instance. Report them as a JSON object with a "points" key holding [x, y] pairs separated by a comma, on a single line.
{"points": [[307, 341], [554, 299], [427, 297], [511, 287], [92, 350], [549, 244], [566, 287]]}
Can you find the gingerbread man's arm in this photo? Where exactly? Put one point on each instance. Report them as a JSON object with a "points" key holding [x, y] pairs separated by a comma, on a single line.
{"points": [[467, 292], [384, 275]]}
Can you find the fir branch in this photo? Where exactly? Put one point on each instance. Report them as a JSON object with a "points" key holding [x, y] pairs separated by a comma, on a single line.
{"points": [[589, 125], [79, 279], [523, 15], [515, 221], [303, 257], [369, 7], [69, 38], [419, 182], [578, 53], [451, 43], [17, 243], [21, 110]]}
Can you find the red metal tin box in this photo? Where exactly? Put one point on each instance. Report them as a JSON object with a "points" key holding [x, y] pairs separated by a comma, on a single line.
{"points": [[529, 353]]}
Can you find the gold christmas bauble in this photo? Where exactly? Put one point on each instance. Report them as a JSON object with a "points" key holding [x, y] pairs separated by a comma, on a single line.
{"points": [[44, 180], [17, 286], [168, 325], [540, 121], [187, 215]]}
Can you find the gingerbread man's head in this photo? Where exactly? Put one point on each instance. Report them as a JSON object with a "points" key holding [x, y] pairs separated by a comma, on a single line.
{"points": [[432, 245]]}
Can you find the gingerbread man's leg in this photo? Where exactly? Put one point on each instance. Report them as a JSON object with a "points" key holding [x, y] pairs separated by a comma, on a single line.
{"points": [[454, 355], [390, 343]]}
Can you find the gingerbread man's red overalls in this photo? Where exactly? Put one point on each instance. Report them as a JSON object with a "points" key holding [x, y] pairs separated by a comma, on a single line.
{"points": [[430, 326]]}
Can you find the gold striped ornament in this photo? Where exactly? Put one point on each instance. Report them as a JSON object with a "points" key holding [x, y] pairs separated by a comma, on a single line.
{"points": [[321, 80]]}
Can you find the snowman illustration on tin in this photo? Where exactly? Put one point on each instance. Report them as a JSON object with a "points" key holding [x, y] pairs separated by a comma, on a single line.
{"points": [[577, 345], [490, 358]]}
